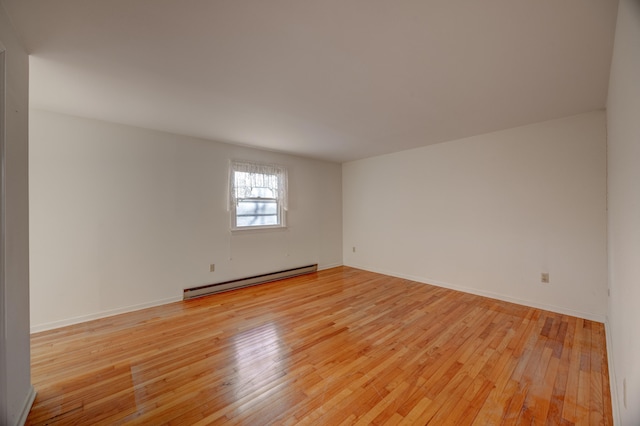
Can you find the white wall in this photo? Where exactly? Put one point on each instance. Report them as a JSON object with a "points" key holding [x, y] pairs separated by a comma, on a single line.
{"points": [[623, 124], [123, 217], [488, 214], [16, 392]]}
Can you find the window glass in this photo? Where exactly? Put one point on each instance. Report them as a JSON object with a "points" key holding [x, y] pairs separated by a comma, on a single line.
{"points": [[258, 195]]}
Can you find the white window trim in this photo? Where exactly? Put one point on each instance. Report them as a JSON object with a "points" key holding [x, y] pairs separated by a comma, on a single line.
{"points": [[282, 191]]}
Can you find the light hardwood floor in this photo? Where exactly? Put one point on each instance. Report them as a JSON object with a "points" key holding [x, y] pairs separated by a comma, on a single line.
{"points": [[342, 346]]}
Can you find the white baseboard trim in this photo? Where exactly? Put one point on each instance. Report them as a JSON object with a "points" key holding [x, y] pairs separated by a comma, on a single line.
{"points": [[26, 408], [103, 314], [489, 294], [84, 318], [328, 266], [615, 406]]}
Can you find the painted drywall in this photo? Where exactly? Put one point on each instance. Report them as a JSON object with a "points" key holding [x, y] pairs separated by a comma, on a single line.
{"points": [[623, 134], [123, 217], [490, 213], [16, 392]]}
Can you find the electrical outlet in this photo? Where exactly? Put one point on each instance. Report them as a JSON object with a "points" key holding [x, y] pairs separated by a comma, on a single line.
{"points": [[544, 277], [212, 267], [354, 249]]}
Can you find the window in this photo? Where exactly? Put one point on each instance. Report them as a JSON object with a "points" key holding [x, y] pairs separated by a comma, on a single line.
{"points": [[258, 195]]}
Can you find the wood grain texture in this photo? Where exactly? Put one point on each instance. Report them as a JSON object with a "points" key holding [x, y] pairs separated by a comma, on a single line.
{"points": [[341, 346]]}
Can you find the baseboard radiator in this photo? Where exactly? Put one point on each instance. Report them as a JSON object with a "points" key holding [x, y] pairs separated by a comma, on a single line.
{"points": [[190, 293]]}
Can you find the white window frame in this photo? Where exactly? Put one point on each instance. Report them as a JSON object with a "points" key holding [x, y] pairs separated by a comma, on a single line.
{"points": [[272, 178]]}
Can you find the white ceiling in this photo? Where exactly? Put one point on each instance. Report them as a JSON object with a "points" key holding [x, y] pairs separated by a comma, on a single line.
{"points": [[331, 79]]}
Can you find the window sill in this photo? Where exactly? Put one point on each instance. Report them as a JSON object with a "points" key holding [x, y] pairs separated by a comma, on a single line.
{"points": [[258, 229]]}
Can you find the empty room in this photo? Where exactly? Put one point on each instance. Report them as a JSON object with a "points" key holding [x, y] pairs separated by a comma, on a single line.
{"points": [[284, 212]]}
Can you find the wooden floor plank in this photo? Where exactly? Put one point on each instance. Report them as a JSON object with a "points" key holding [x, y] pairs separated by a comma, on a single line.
{"points": [[341, 346]]}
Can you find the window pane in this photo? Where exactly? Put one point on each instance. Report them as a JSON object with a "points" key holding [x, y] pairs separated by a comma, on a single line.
{"points": [[257, 213], [258, 194], [243, 221], [257, 207]]}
